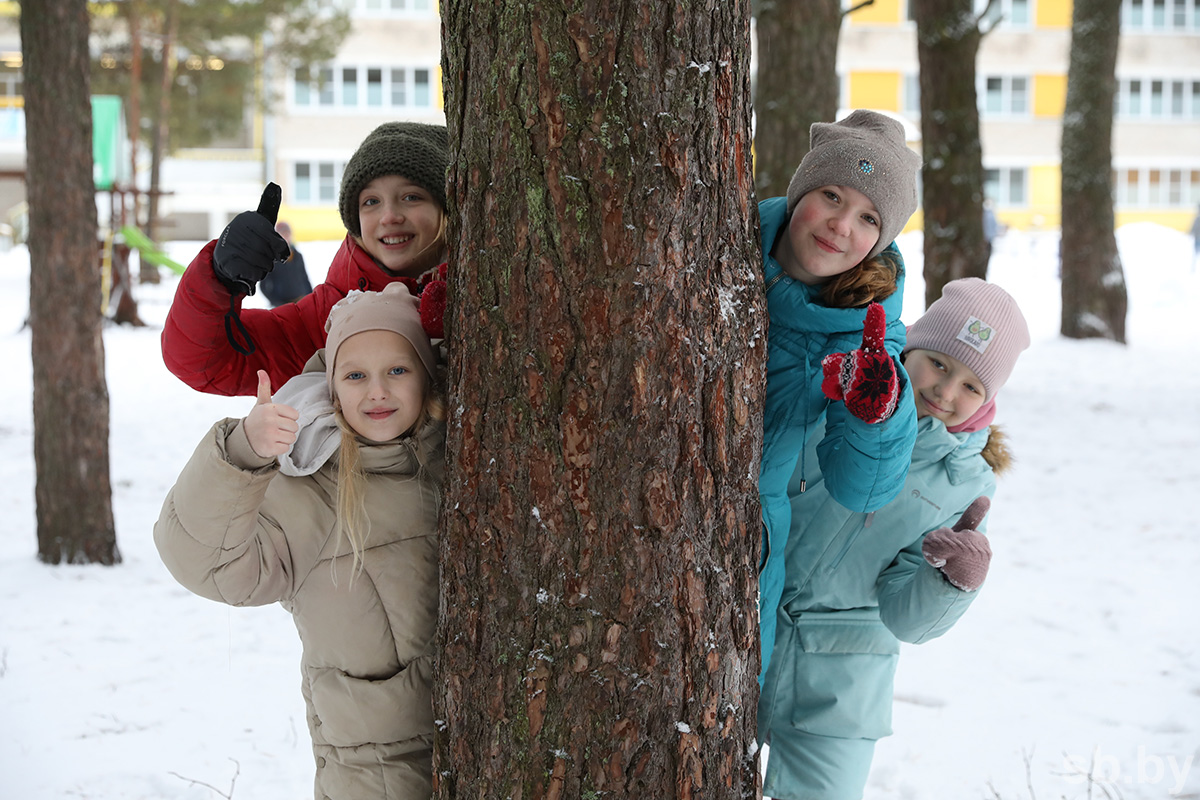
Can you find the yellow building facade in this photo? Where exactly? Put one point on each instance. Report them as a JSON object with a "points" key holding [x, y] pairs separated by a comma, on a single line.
{"points": [[1021, 74]]}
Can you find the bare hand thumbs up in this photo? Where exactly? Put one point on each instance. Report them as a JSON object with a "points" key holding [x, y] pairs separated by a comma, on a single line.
{"points": [[270, 427]]}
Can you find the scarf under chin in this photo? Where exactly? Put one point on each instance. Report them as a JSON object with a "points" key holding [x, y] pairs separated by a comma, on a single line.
{"points": [[319, 437], [979, 420]]}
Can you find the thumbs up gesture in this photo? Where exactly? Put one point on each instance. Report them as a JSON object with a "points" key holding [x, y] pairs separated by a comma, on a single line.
{"points": [[249, 246], [270, 427], [864, 379], [961, 553]]}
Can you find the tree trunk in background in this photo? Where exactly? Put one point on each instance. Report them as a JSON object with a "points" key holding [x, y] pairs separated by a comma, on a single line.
{"points": [[601, 526], [1094, 299], [797, 84], [70, 397], [162, 122], [948, 38]]}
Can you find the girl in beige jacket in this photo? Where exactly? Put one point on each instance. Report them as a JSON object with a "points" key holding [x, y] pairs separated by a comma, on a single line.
{"points": [[325, 500]]}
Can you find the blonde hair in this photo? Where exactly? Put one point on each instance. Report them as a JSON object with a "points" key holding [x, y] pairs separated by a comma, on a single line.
{"points": [[351, 502], [872, 281]]}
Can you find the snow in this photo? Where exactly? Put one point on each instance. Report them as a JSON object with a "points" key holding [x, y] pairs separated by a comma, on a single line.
{"points": [[1081, 655]]}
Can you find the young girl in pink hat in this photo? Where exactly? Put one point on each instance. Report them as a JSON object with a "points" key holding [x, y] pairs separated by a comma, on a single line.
{"points": [[860, 583]]}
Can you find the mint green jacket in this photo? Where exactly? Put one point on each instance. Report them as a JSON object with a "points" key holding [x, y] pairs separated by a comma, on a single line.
{"points": [[856, 586]]}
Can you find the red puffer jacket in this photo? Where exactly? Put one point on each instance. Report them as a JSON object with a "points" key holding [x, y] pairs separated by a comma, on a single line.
{"points": [[195, 346]]}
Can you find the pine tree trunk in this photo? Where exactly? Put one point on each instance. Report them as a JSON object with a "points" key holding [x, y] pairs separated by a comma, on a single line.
{"points": [[601, 525], [952, 173], [1094, 300], [70, 397], [797, 84]]}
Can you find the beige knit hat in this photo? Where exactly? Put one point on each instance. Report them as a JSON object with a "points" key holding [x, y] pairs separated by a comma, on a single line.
{"points": [[392, 309], [865, 151], [977, 323]]}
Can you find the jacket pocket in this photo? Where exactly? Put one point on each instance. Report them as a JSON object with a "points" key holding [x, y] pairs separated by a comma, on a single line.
{"points": [[355, 711], [842, 678]]}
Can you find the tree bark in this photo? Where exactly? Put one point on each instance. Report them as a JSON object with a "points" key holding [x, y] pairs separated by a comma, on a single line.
{"points": [[70, 397], [797, 84], [1094, 299], [599, 543], [948, 39]]}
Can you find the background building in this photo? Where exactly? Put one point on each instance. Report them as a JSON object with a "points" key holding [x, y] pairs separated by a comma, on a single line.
{"points": [[1022, 88], [389, 69]]}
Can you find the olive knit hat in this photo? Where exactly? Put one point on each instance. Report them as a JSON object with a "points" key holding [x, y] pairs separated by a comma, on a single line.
{"points": [[865, 151], [412, 149], [392, 309], [977, 323]]}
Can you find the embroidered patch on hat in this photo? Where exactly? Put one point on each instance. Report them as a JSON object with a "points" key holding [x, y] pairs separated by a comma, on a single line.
{"points": [[976, 334], [866, 166]]}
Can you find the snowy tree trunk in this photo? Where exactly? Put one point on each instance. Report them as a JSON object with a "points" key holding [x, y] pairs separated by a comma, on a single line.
{"points": [[797, 84], [600, 531], [1094, 299], [70, 396], [952, 173]]}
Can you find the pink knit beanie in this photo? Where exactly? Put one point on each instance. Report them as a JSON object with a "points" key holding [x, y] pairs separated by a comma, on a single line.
{"points": [[392, 309], [977, 323]]}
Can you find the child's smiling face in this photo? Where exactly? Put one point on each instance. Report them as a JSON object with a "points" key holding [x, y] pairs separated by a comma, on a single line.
{"points": [[831, 230], [380, 384], [943, 387], [401, 226]]}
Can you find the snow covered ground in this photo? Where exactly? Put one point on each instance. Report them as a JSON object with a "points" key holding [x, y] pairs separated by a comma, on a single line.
{"points": [[1081, 657]]}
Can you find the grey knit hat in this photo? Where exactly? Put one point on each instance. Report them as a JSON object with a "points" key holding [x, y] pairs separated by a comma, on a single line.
{"points": [[865, 151], [977, 323], [391, 309], [412, 149]]}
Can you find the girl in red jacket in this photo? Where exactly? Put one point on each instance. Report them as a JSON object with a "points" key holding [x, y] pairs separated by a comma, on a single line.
{"points": [[392, 202]]}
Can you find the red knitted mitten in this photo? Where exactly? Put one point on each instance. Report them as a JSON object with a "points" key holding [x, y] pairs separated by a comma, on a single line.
{"points": [[864, 379]]}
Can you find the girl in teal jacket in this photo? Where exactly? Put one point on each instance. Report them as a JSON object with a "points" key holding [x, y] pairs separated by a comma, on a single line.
{"points": [[828, 258], [857, 584]]}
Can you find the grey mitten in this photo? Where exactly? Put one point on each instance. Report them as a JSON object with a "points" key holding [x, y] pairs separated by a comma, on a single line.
{"points": [[961, 553]]}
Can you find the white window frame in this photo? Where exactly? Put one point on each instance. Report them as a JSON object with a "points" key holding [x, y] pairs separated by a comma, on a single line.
{"points": [[1000, 192], [336, 93], [323, 174], [1160, 16], [392, 9], [1152, 187], [1006, 96], [1166, 108]]}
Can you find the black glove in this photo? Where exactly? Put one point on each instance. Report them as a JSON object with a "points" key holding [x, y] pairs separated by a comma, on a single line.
{"points": [[249, 246]]}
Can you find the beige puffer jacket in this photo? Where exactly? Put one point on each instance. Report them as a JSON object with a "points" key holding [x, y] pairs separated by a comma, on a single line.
{"points": [[234, 530]]}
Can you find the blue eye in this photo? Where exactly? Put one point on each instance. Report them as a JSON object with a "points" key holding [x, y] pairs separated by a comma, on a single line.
{"points": [[399, 371], [354, 376]]}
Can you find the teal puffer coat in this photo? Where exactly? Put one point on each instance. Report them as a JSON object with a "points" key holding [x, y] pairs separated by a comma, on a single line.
{"points": [[856, 586], [863, 465]]}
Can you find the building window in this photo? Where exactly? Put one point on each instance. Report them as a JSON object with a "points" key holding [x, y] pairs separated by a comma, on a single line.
{"points": [[325, 87], [315, 182], [1160, 15], [1005, 187], [911, 101], [1004, 94], [375, 86], [1014, 13], [1154, 98], [349, 86], [392, 8], [1157, 188], [363, 86]]}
